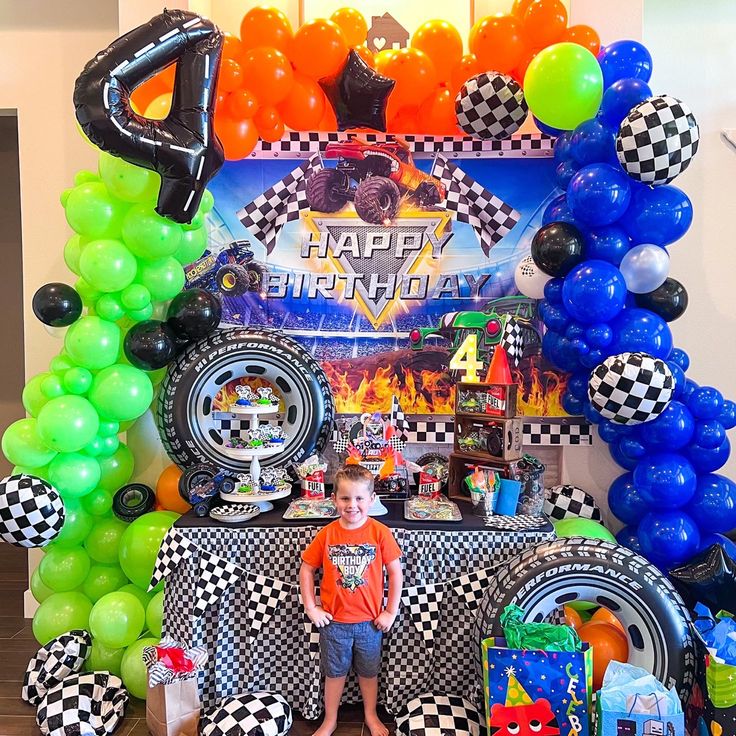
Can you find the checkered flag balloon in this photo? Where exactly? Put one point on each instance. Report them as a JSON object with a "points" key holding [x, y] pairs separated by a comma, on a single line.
{"points": [[512, 341], [491, 105], [487, 214], [265, 595], [423, 603], [657, 140], [438, 715], [472, 587], [568, 502], [215, 577], [31, 511], [249, 714], [268, 213], [174, 549]]}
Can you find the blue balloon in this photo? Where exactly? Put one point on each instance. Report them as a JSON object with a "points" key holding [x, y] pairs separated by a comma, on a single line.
{"points": [[713, 507], [610, 431], [680, 357], [666, 480], [592, 142], [619, 98], [679, 375], [624, 60], [562, 147], [657, 215], [599, 335], [554, 317], [705, 402], [599, 194], [628, 538], [688, 389], [573, 406], [592, 359], [594, 291], [708, 539], [727, 417], [668, 538], [631, 446], [575, 331], [547, 129], [642, 331], [591, 414], [620, 457], [671, 430], [551, 348], [553, 291], [607, 244], [706, 460], [564, 172], [559, 211], [577, 385], [709, 433], [625, 501]]}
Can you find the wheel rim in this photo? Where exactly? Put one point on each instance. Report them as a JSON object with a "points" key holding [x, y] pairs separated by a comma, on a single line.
{"points": [[228, 281]]}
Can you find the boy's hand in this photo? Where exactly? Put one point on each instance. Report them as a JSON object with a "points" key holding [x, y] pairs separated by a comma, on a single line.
{"points": [[319, 617], [384, 621]]}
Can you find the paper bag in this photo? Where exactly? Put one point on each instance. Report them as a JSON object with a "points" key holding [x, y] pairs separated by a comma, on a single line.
{"points": [[173, 709]]}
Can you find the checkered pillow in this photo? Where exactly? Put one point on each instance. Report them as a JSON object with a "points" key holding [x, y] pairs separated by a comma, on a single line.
{"points": [[565, 502], [250, 714], [89, 704], [438, 715], [61, 657]]}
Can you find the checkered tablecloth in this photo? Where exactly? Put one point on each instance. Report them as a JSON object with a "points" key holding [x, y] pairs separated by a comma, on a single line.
{"points": [[282, 657]]}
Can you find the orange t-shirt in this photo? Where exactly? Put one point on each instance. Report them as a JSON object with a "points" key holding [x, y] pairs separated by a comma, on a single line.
{"points": [[352, 562]]}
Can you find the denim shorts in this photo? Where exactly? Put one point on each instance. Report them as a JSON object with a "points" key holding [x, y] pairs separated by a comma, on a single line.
{"points": [[343, 644]]}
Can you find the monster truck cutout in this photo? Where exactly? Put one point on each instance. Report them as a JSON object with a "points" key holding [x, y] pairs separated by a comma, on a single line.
{"points": [[231, 272], [382, 173]]}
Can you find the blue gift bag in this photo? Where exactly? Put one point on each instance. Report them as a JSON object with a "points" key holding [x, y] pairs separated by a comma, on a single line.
{"points": [[633, 723]]}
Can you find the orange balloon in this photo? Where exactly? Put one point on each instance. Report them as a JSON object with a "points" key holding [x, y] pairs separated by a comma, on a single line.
{"points": [[497, 42], [167, 491], [159, 108], [544, 23], [353, 25], [442, 44], [404, 121], [608, 643], [319, 48], [572, 618], [436, 114], [585, 36], [266, 27], [230, 77], [269, 123], [146, 92], [267, 74], [238, 137], [415, 77], [366, 54], [519, 7], [305, 105], [329, 120], [603, 615], [520, 70], [241, 104], [232, 47], [381, 59], [467, 67]]}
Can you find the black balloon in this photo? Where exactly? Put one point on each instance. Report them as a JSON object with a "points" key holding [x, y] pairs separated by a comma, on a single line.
{"points": [[183, 148], [57, 305], [193, 314], [150, 345], [669, 301], [358, 95], [708, 578], [557, 248]]}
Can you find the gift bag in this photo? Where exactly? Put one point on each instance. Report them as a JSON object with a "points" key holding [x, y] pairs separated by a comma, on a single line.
{"points": [[642, 718], [531, 687]]}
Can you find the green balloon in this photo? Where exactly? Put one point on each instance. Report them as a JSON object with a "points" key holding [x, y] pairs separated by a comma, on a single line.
{"points": [[148, 235], [60, 364], [155, 614], [101, 580], [141, 315], [84, 175], [97, 502], [117, 469], [139, 546], [207, 202], [92, 342], [40, 472], [52, 386], [135, 297], [64, 568], [164, 278], [108, 265], [60, 613], [109, 446], [89, 294], [126, 181], [67, 423], [33, 398], [117, 619], [133, 670], [39, 589], [22, 444], [139, 593], [197, 221], [108, 307], [78, 523], [73, 251], [77, 381], [104, 659], [563, 85], [108, 429], [103, 542], [91, 211], [74, 475], [121, 392], [193, 245], [577, 527]]}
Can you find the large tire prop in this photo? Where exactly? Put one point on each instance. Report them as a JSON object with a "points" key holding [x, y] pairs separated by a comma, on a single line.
{"points": [[549, 575], [327, 190], [377, 200], [190, 431]]}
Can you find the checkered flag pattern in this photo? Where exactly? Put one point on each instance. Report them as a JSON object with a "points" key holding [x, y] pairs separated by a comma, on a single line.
{"points": [[568, 433], [631, 388], [340, 441], [657, 140], [310, 629], [517, 523], [487, 214], [565, 502], [250, 714], [423, 603], [91, 703], [174, 549], [472, 587], [512, 341], [269, 212], [215, 577], [31, 511], [438, 715], [264, 597], [491, 105], [61, 657], [398, 418]]}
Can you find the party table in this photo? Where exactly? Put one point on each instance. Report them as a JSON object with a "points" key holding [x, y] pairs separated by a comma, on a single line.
{"points": [[234, 590]]}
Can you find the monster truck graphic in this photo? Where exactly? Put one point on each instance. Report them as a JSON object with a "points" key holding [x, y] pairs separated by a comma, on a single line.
{"points": [[382, 172], [231, 272], [351, 561]]}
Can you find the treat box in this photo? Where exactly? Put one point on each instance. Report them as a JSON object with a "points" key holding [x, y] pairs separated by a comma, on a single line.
{"points": [[486, 399], [499, 439], [463, 464]]}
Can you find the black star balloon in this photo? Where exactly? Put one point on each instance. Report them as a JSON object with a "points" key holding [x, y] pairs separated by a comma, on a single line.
{"points": [[358, 95], [709, 578]]}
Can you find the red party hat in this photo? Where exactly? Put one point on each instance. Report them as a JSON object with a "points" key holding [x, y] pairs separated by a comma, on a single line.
{"points": [[498, 370]]}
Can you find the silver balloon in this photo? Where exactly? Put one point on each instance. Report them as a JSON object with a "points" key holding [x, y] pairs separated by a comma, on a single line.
{"points": [[645, 268], [530, 279]]}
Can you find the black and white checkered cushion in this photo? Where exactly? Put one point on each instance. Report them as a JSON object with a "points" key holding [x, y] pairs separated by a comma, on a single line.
{"points": [[491, 105], [657, 140], [250, 714], [565, 502], [438, 715], [61, 657], [89, 704], [631, 388], [31, 511]]}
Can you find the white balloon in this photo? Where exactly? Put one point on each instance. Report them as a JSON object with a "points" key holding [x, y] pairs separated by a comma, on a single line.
{"points": [[645, 268], [530, 279], [57, 332]]}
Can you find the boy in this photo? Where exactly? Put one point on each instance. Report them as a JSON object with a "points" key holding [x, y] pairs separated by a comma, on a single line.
{"points": [[353, 550]]}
